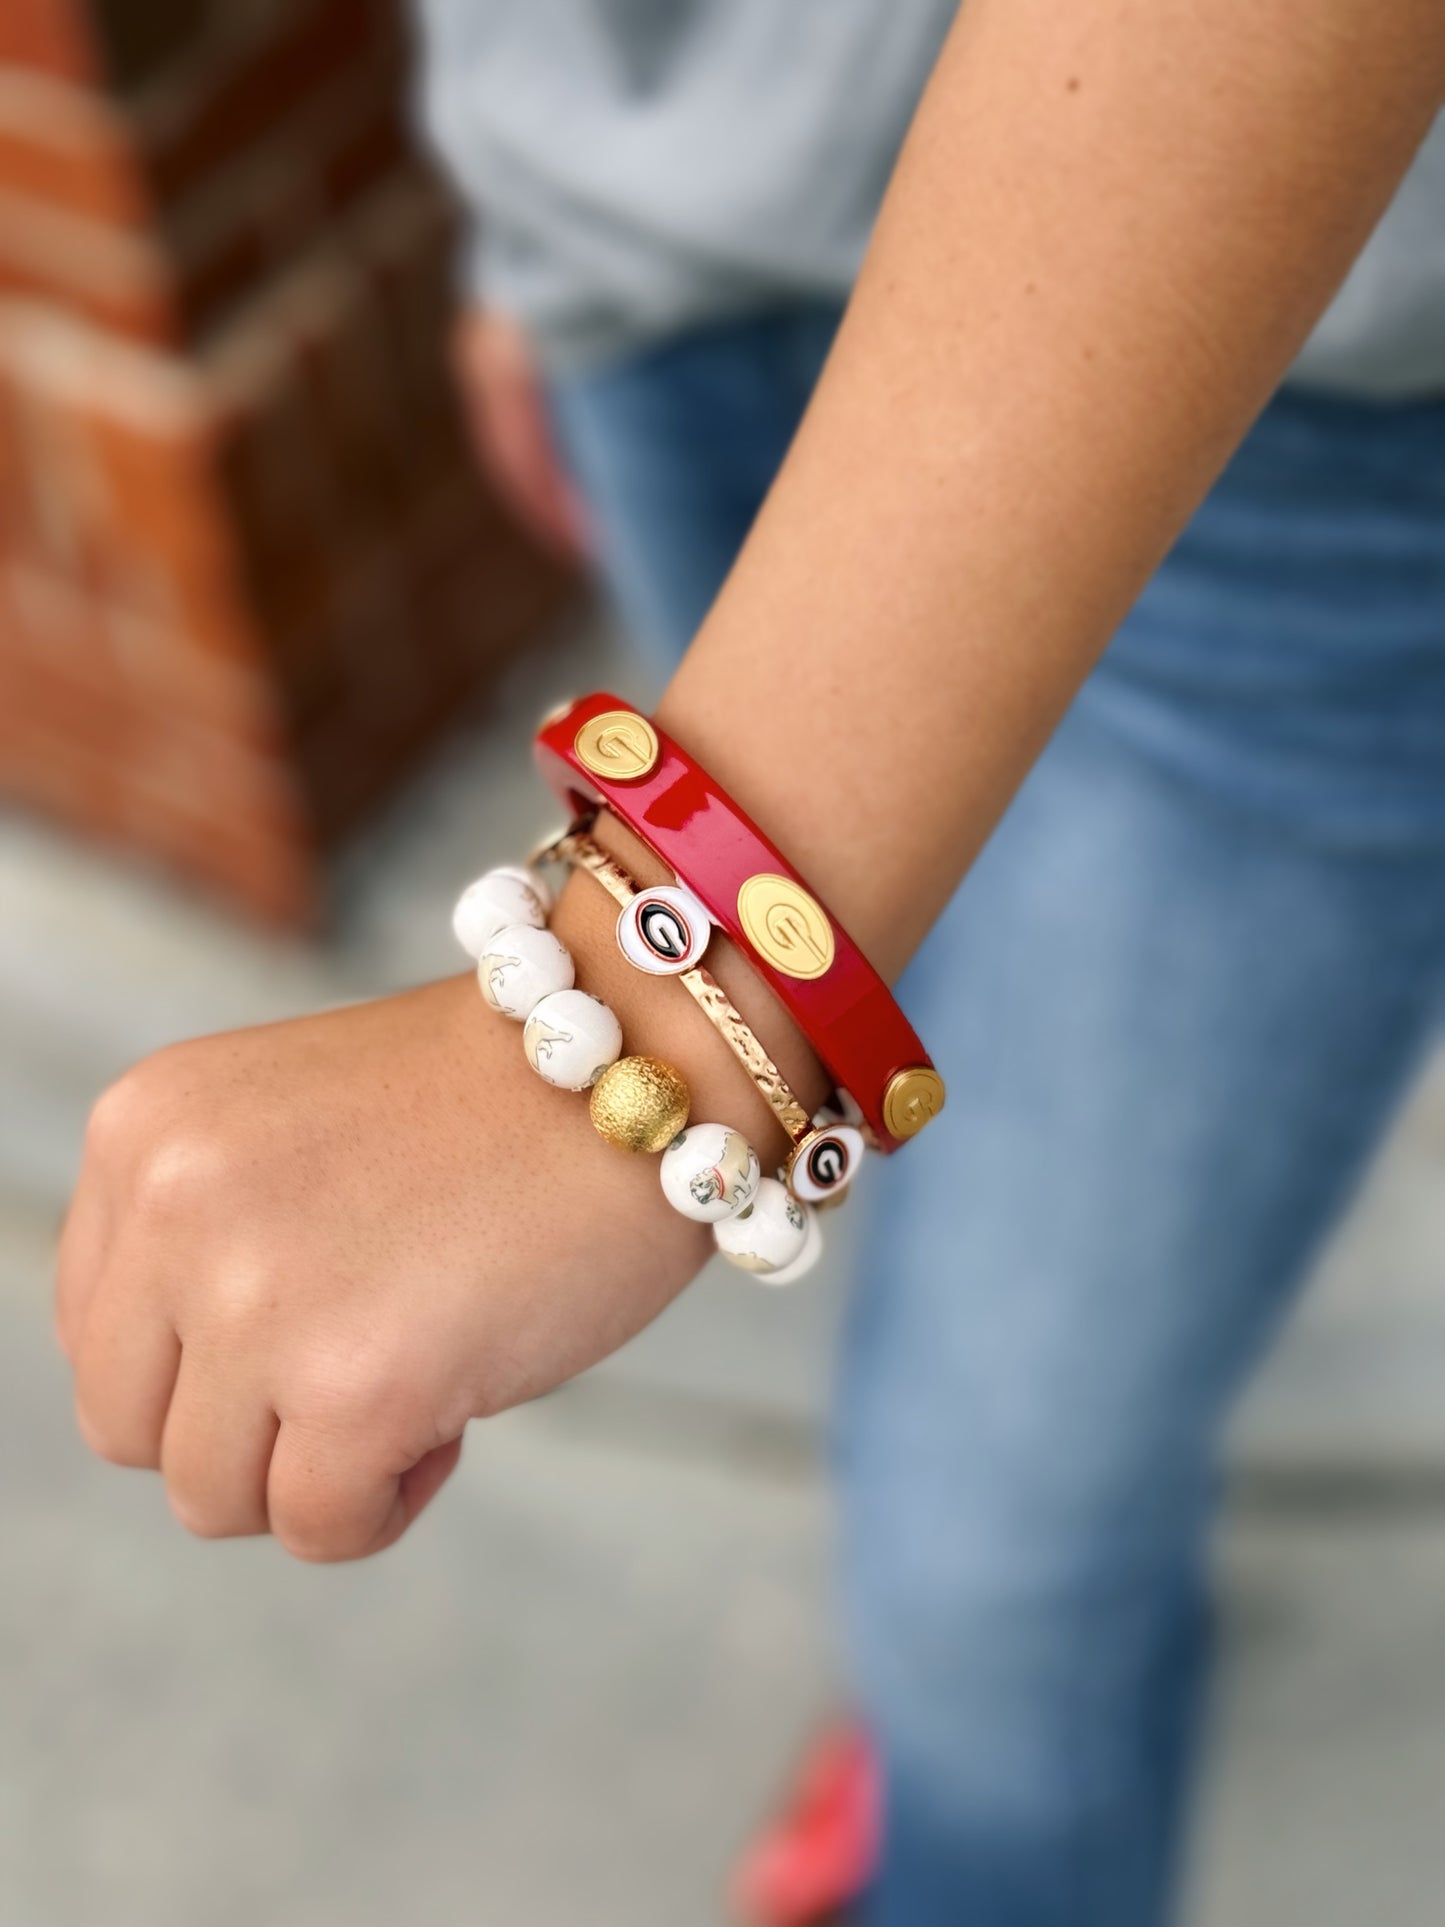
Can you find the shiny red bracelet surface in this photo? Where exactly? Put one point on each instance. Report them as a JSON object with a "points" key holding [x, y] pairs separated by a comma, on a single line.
{"points": [[598, 750]]}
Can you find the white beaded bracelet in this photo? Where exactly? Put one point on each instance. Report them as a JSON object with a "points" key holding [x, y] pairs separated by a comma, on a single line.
{"points": [[709, 1172]]}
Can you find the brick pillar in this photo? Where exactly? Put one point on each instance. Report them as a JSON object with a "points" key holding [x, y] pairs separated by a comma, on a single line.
{"points": [[246, 569]]}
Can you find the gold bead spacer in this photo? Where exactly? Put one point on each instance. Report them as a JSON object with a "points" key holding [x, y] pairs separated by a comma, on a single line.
{"points": [[640, 1104]]}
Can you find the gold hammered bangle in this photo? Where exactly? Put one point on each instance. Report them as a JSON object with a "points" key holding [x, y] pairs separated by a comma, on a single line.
{"points": [[579, 849]]}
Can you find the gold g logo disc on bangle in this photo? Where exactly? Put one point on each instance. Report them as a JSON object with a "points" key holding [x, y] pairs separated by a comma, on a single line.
{"points": [[619, 744], [788, 928], [913, 1098]]}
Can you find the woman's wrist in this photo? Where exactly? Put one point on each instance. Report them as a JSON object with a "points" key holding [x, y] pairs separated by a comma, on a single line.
{"points": [[661, 1020], [597, 751]]}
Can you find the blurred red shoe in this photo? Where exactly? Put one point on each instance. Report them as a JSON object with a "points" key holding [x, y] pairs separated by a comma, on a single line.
{"points": [[818, 1857]]}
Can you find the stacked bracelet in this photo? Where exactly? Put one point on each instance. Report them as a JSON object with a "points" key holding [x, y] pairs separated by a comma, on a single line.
{"points": [[726, 874], [654, 946], [826, 1151], [709, 1172], [596, 751]]}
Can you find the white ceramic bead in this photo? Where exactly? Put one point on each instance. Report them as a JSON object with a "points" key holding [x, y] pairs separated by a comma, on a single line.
{"points": [[825, 1163], [534, 881], [571, 1038], [499, 898], [806, 1259], [769, 1234], [521, 966], [664, 930], [709, 1172]]}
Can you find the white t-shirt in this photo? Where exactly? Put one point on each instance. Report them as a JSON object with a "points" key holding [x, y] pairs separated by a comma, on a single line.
{"points": [[645, 166]]}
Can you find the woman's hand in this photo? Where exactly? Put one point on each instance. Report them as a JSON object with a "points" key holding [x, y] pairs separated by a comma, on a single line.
{"points": [[506, 406], [301, 1257]]}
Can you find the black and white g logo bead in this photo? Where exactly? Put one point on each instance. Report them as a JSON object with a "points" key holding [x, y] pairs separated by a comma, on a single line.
{"points": [[825, 1163], [664, 930]]}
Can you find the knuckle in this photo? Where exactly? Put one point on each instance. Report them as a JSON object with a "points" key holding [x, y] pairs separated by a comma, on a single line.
{"points": [[131, 1101], [310, 1548], [115, 1117], [176, 1168], [194, 1518], [491, 1401], [243, 1299], [310, 1528], [376, 1403], [205, 1521], [330, 1544], [113, 1443], [147, 1122], [357, 1396]]}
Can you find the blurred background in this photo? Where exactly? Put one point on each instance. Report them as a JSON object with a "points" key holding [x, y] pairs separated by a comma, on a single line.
{"points": [[269, 658]]}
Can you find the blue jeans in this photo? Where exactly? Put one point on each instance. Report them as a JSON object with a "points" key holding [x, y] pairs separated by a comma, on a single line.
{"points": [[1176, 1002]]}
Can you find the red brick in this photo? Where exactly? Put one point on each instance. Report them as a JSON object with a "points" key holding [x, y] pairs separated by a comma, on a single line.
{"points": [[235, 264], [87, 268], [165, 672], [62, 146], [194, 127], [249, 221], [358, 414], [57, 507], [83, 794], [475, 595], [92, 718], [284, 518], [364, 153], [247, 573], [141, 38], [48, 37], [160, 486]]}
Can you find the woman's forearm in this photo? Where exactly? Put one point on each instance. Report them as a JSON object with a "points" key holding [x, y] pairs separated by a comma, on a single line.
{"points": [[1111, 228]]}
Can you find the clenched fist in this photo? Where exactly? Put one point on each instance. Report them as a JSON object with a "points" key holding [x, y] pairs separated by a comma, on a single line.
{"points": [[301, 1257]]}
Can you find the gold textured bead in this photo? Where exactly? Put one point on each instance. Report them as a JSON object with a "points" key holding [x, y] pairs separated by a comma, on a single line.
{"points": [[640, 1104]]}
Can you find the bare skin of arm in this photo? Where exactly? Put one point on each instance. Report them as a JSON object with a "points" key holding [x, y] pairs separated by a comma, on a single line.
{"points": [[1111, 229], [301, 1258]]}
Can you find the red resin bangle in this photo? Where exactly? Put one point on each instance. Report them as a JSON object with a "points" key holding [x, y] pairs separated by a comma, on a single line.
{"points": [[598, 750]]}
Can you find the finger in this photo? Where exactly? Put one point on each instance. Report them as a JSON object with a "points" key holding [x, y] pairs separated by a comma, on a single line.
{"points": [[216, 1451], [78, 1259], [125, 1369], [326, 1503], [111, 1134], [329, 1498]]}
